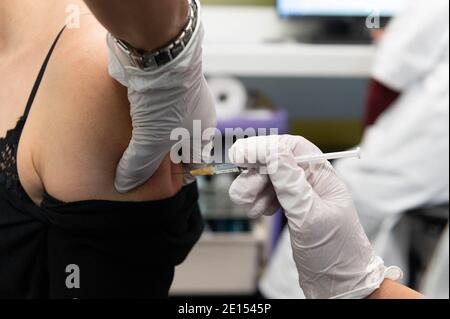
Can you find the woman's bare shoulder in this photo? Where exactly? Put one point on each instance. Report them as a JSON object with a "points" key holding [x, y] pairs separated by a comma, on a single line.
{"points": [[81, 116]]}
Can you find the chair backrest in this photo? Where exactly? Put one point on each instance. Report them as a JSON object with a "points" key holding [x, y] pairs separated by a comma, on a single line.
{"points": [[426, 228]]}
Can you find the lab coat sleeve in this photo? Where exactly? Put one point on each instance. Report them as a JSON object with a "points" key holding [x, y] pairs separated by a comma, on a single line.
{"points": [[412, 44]]}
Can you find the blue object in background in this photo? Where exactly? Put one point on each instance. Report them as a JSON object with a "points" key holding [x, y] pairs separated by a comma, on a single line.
{"points": [[278, 120]]}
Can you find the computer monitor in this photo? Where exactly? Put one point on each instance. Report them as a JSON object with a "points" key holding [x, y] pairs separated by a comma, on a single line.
{"points": [[339, 8]]}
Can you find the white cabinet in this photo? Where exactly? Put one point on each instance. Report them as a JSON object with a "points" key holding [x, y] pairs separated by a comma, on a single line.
{"points": [[224, 264]]}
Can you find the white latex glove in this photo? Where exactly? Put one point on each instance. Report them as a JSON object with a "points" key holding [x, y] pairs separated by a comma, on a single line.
{"points": [[333, 255], [173, 96]]}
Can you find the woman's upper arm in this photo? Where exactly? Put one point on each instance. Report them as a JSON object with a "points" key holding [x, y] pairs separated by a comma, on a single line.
{"points": [[85, 125], [144, 24]]}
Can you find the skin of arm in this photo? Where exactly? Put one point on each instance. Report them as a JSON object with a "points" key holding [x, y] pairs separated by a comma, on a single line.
{"points": [[394, 290], [80, 125], [145, 24]]}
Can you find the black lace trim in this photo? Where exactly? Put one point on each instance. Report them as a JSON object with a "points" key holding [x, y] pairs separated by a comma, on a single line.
{"points": [[9, 176]]}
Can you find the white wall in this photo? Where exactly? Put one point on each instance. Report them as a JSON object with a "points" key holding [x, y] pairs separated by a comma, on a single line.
{"points": [[238, 24]]}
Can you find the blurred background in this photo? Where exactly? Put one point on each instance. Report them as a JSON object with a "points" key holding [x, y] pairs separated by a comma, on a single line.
{"points": [[304, 67]]}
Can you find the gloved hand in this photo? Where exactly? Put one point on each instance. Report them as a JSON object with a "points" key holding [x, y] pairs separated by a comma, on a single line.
{"points": [[333, 255], [171, 97]]}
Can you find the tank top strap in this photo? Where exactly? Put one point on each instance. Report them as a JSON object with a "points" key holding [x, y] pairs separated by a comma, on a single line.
{"points": [[40, 77]]}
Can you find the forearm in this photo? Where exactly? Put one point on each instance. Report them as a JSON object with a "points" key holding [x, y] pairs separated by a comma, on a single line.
{"points": [[145, 24], [393, 290]]}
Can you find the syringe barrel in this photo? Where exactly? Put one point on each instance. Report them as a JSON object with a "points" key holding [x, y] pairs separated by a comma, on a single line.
{"points": [[329, 156]]}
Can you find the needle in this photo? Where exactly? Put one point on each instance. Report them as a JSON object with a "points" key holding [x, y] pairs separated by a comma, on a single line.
{"points": [[230, 168]]}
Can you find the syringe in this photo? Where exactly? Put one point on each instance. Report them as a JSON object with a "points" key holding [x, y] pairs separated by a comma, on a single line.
{"points": [[230, 168]]}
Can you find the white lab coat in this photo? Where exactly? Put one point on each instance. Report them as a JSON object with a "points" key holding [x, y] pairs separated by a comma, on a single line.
{"points": [[435, 284], [405, 161]]}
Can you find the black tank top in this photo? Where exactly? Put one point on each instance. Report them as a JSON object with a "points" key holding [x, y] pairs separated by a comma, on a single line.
{"points": [[89, 249]]}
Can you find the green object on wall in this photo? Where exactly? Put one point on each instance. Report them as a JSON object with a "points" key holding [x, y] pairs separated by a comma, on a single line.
{"points": [[329, 135], [239, 2]]}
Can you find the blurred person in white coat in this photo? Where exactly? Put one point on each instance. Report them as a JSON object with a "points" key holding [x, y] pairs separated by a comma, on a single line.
{"points": [[405, 163]]}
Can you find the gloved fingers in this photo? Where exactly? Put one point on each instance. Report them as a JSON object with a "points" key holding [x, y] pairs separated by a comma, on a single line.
{"points": [[155, 132], [136, 168], [253, 152], [265, 205], [294, 192], [298, 145], [254, 193], [247, 187], [140, 161], [326, 183], [320, 175]]}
